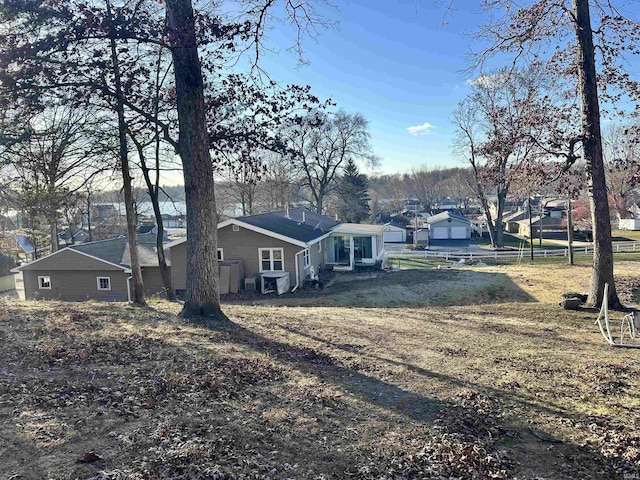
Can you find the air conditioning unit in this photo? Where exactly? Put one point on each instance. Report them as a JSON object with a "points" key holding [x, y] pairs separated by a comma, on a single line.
{"points": [[251, 284]]}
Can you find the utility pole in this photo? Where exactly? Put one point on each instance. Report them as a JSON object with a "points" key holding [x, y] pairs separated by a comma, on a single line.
{"points": [[569, 231]]}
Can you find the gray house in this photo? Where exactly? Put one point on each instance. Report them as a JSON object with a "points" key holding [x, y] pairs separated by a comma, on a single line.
{"points": [[277, 249], [95, 270], [449, 226], [288, 244]]}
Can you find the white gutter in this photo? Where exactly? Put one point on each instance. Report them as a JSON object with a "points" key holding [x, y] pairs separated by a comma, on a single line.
{"points": [[129, 288]]}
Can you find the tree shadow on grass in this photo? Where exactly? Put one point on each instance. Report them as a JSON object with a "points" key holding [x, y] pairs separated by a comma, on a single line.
{"points": [[554, 457], [306, 360]]}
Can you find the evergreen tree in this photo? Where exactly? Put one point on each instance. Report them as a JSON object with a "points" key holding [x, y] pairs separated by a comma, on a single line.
{"points": [[354, 194]]}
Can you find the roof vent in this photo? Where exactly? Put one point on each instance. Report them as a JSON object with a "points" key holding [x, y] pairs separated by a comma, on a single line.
{"points": [[304, 217]]}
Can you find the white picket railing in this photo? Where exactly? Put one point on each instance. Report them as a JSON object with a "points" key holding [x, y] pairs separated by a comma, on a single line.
{"points": [[479, 254]]}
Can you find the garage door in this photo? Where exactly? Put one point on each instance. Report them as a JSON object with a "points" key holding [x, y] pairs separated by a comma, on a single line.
{"points": [[459, 232], [440, 233], [393, 237]]}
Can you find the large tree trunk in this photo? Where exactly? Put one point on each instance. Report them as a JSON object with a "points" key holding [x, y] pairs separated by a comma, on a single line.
{"points": [[130, 208], [592, 145], [202, 295], [499, 240]]}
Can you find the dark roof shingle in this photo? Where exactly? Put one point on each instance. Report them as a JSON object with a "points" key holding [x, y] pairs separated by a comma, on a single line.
{"points": [[301, 225]]}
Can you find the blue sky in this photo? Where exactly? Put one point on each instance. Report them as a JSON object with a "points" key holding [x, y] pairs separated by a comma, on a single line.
{"points": [[396, 63]]}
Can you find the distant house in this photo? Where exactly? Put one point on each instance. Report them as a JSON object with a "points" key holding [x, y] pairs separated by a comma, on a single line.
{"points": [[537, 222], [95, 270], [394, 233], [629, 224], [449, 226], [510, 221], [287, 244]]}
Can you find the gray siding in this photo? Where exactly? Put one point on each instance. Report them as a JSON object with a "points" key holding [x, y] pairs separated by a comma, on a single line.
{"points": [[75, 286], [153, 285], [179, 266], [242, 245]]}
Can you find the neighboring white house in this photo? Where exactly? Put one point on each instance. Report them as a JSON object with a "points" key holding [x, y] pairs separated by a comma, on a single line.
{"points": [[629, 224], [449, 226], [394, 234]]}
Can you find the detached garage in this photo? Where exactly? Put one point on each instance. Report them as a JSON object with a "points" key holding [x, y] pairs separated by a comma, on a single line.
{"points": [[394, 234], [449, 226]]}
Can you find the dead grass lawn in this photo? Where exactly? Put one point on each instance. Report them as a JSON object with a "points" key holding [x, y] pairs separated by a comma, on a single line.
{"points": [[481, 387]]}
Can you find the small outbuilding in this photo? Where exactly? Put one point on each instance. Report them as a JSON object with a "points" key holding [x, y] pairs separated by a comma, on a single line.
{"points": [[394, 234], [629, 224]]}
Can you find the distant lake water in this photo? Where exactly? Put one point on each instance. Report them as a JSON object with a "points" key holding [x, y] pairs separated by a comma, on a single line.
{"points": [[146, 208]]}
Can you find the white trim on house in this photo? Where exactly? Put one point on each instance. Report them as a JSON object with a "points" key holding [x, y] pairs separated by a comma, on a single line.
{"points": [[272, 260], [44, 282], [21, 267], [99, 283], [220, 253]]}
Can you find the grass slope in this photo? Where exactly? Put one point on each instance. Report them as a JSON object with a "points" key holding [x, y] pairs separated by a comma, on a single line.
{"points": [[494, 382]]}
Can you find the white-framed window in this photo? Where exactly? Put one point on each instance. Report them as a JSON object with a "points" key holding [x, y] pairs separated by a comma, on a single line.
{"points": [[44, 283], [104, 283], [235, 228], [220, 255], [306, 258], [271, 259]]}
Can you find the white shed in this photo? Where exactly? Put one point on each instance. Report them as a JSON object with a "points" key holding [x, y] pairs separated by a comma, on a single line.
{"points": [[629, 224]]}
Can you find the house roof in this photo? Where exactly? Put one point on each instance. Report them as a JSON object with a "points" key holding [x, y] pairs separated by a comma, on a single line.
{"points": [[515, 216], [299, 227], [67, 250], [358, 229], [116, 250], [551, 221], [300, 224], [394, 226], [445, 216]]}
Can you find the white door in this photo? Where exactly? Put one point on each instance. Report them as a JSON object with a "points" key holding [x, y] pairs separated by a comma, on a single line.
{"points": [[459, 232], [393, 237], [440, 233]]}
